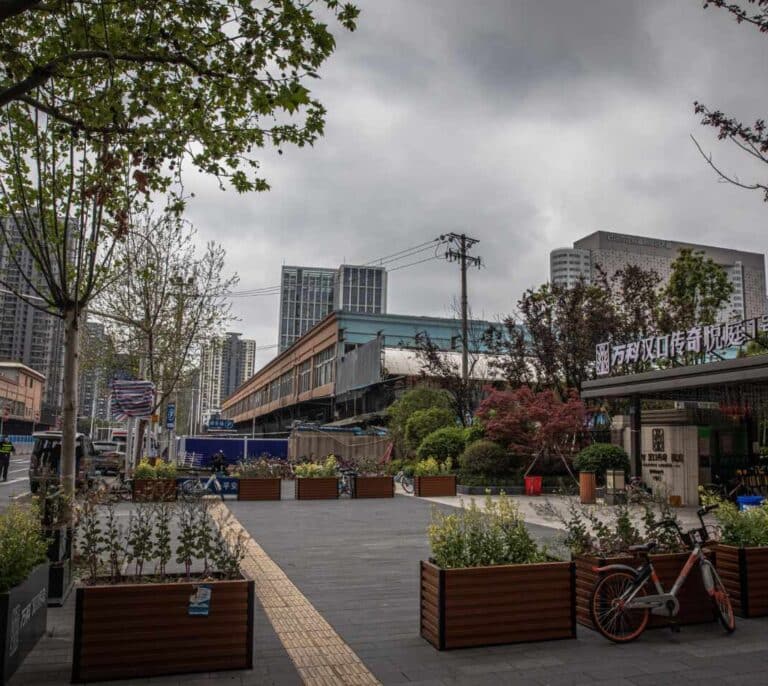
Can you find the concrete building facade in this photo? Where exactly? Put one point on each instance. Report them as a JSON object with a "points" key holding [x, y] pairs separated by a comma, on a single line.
{"points": [[21, 396], [225, 363], [308, 294], [613, 251]]}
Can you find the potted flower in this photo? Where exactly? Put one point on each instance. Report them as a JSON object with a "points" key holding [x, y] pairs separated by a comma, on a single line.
{"points": [[433, 479], [317, 480], [23, 585], [372, 480], [742, 556], [134, 619], [153, 483], [598, 537], [488, 583], [258, 479]]}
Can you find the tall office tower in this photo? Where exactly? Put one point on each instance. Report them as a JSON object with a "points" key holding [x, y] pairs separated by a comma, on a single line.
{"points": [[306, 296], [568, 265], [361, 289], [93, 385], [225, 363], [613, 251], [27, 334]]}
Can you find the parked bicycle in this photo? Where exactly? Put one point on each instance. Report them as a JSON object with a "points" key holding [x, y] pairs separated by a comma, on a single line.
{"points": [[743, 483], [405, 481], [196, 488], [347, 481], [621, 604]]}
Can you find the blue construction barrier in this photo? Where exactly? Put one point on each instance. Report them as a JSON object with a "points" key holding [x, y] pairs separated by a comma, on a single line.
{"points": [[233, 447]]}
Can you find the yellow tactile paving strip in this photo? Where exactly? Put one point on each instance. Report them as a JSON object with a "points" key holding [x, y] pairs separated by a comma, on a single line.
{"points": [[321, 657]]}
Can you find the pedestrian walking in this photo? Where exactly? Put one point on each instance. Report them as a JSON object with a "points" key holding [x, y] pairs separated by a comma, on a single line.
{"points": [[6, 448], [218, 461]]}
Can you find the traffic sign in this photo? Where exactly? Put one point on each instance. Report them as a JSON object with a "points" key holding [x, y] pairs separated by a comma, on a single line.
{"points": [[170, 416]]}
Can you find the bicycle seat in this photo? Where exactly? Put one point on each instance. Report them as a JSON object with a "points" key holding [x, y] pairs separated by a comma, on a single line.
{"points": [[644, 548]]}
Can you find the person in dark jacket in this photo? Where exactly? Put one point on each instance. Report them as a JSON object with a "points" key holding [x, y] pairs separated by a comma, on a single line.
{"points": [[6, 448], [218, 461]]}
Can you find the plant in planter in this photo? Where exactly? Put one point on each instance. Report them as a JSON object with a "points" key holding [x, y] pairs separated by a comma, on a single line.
{"points": [[433, 479], [488, 582], [199, 622], [23, 585], [58, 525], [598, 537], [154, 482], [317, 480], [259, 479], [372, 480], [742, 555]]}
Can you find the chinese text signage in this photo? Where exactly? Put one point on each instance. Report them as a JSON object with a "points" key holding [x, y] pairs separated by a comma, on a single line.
{"points": [[708, 339]]}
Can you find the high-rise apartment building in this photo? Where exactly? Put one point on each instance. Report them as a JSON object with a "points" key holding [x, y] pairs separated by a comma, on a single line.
{"points": [[93, 385], [27, 334], [307, 294], [225, 363], [613, 251]]}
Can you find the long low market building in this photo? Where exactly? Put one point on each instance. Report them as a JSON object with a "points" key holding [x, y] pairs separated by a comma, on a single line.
{"points": [[714, 421], [347, 366]]}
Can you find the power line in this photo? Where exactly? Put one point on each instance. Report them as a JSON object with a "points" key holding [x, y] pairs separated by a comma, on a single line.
{"points": [[411, 264]]}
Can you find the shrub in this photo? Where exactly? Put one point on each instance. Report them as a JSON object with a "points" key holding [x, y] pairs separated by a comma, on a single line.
{"points": [[601, 456], [258, 469], [165, 470], [443, 444], [22, 545], [144, 470], [742, 528], [474, 432], [369, 465], [423, 422], [431, 467], [399, 412], [317, 470], [485, 457], [475, 538]]}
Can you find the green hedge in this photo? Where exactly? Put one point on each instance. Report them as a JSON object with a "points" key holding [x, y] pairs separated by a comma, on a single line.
{"points": [[599, 457], [443, 444]]}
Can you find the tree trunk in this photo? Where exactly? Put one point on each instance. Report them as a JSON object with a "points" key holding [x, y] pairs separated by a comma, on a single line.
{"points": [[141, 428], [69, 401]]}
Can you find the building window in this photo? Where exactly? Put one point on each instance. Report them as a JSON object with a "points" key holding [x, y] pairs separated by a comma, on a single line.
{"points": [[305, 376], [324, 366]]}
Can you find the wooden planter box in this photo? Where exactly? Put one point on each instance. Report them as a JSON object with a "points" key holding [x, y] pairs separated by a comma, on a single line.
{"points": [[136, 631], [744, 572], [154, 490], [374, 487], [322, 488], [434, 486], [491, 605], [695, 604], [259, 489], [23, 615]]}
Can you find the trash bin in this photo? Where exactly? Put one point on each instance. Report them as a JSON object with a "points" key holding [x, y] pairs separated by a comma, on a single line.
{"points": [[532, 485], [747, 502], [587, 488]]}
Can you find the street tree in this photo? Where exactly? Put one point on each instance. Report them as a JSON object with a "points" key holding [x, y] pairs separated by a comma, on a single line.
{"points": [[750, 138], [166, 301], [697, 290], [105, 101], [411, 402]]}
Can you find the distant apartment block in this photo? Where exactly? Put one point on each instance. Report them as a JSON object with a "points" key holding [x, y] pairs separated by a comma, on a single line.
{"points": [[93, 385], [308, 294], [28, 335], [225, 363], [614, 251]]}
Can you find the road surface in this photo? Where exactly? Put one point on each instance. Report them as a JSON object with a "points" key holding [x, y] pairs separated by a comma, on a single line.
{"points": [[18, 479]]}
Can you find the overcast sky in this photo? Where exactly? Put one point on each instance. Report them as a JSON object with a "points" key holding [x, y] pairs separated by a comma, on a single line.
{"points": [[524, 123]]}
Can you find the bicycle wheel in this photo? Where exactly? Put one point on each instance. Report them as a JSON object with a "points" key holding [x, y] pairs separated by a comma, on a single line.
{"points": [[192, 489], [407, 484], [721, 601], [609, 614]]}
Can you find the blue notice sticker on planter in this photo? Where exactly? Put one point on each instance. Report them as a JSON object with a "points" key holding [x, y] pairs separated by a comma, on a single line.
{"points": [[200, 601]]}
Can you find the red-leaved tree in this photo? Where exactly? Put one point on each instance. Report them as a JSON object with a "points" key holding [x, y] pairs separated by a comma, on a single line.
{"points": [[534, 423]]}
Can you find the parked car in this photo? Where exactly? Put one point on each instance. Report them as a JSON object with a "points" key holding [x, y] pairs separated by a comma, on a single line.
{"points": [[45, 461], [109, 462], [106, 446]]}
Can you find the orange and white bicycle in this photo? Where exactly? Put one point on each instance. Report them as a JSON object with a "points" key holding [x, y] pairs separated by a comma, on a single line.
{"points": [[621, 604]]}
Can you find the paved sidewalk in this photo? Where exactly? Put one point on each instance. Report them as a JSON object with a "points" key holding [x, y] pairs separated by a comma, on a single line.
{"points": [[357, 563]]}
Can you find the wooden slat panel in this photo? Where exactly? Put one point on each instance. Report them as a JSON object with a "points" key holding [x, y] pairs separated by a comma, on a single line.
{"points": [[144, 630], [258, 489], [317, 489], [374, 487], [434, 486]]}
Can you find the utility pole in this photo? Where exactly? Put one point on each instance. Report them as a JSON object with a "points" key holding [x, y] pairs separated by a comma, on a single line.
{"points": [[463, 243]]}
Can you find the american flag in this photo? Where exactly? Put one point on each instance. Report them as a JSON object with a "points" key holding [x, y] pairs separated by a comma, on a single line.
{"points": [[132, 399]]}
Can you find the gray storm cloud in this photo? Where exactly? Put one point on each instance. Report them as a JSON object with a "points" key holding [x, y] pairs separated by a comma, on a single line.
{"points": [[526, 124]]}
